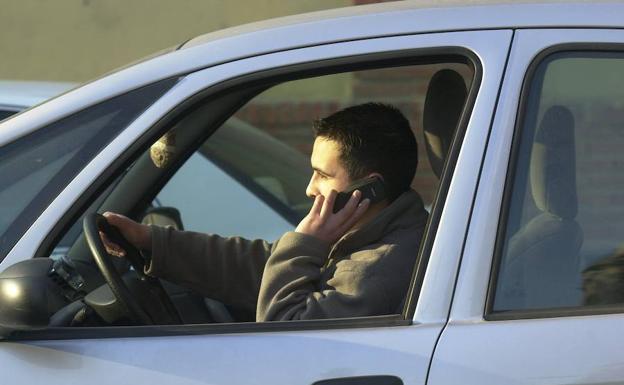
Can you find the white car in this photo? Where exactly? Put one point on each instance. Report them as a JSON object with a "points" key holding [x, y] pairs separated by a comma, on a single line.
{"points": [[519, 276]]}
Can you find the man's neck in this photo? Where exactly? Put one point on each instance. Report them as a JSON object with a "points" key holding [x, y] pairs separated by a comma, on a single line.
{"points": [[370, 214]]}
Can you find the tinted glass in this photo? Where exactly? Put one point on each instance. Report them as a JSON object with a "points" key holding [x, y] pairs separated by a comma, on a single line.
{"points": [[5, 114], [564, 238], [36, 167]]}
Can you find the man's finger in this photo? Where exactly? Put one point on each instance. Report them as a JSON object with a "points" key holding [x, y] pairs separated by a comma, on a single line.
{"points": [[351, 204], [317, 205], [115, 219], [349, 208], [111, 247], [328, 206], [350, 221]]}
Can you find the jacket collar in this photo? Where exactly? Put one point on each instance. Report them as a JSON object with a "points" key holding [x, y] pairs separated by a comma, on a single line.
{"points": [[405, 211]]}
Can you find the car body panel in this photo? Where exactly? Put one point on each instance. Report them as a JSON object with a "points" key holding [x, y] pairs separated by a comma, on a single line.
{"points": [[490, 46], [294, 357], [412, 16], [561, 350], [253, 358]]}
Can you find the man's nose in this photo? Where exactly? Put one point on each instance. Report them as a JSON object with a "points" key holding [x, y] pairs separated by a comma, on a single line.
{"points": [[311, 190]]}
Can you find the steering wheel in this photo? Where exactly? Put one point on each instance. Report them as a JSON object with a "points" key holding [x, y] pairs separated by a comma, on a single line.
{"points": [[92, 224]]}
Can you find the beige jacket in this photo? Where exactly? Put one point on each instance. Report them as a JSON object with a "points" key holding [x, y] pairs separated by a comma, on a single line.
{"points": [[367, 272]]}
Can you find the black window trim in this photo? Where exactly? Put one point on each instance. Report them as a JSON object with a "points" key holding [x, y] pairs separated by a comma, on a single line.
{"points": [[277, 75], [523, 104]]}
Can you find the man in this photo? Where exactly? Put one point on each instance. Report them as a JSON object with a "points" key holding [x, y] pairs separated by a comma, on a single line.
{"points": [[355, 262]]}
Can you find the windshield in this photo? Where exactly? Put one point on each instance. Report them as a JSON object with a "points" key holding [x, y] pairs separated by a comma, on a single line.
{"points": [[35, 168]]}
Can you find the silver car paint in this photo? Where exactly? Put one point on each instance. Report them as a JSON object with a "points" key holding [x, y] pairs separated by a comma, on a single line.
{"points": [[288, 357], [565, 350], [471, 350]]}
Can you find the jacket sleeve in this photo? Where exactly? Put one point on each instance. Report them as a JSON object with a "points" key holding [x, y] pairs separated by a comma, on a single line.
{"points": [[291, 287], [226, 269]]}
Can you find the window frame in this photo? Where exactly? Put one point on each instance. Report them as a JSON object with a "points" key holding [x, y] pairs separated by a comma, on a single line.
{"points": [[523, 105], [259, 80]]}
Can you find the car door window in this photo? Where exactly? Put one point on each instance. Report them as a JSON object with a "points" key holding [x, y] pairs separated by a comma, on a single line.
{"points": [[563, 244], [211, 201], [242, 182], [237, 165], [249, 177]]}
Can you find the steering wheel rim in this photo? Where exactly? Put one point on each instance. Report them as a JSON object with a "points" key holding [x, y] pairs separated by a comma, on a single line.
{"points": [[93, 223]]}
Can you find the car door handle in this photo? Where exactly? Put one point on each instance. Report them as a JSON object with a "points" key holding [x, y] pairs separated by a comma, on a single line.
{"points": [[364, 380]]}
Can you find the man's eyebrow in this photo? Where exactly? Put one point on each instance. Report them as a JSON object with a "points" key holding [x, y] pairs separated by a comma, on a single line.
{"points": [[321, 171]]}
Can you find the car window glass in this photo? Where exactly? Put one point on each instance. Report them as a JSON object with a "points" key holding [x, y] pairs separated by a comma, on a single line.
{"points": [[235, 179], [563, 244], [211, 201], [37, 166], [259, 158]]}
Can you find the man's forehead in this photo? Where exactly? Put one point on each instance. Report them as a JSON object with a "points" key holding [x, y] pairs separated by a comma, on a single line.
{"points": [[325, 155], [325, 149]]}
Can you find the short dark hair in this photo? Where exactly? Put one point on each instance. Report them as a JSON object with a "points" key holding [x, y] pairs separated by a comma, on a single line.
{"points": [[373, 137]]}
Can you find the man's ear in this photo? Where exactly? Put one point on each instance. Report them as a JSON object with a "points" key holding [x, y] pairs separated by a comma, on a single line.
{"points": [[375, 174]]}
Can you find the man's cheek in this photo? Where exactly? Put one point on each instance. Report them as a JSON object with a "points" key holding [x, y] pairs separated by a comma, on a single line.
{"points": [[327, 188]]}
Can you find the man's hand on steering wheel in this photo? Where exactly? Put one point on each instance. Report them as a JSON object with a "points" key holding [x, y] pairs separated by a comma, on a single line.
{"points": [[137, 234], [125, 237]]}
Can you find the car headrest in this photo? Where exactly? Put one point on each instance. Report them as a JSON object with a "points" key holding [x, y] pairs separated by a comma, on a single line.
{"points": [[444, 103], [553, 164]]}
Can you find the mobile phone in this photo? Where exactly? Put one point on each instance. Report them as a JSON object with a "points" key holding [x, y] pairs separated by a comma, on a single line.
{"points": [[371, 188]]}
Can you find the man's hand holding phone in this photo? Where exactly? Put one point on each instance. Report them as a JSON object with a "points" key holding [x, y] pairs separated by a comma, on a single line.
{"points": [[322, 223]]}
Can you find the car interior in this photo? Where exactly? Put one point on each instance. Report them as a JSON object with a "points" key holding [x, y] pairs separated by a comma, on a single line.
{"points": [[541, 269], [87, 287]]}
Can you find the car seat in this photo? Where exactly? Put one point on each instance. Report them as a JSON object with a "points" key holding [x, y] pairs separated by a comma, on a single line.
{"points": [[541, 265], [444, 103]]}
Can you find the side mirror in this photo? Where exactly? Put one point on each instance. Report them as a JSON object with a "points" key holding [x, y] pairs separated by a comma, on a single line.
{"points": [[28, 296], [163, 216]]}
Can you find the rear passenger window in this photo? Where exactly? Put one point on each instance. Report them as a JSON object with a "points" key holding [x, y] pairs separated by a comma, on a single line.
{"points": [[563, 231]]}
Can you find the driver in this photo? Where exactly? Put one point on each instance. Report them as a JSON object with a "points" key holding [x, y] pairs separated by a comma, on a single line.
{"points": [[355, 262]]}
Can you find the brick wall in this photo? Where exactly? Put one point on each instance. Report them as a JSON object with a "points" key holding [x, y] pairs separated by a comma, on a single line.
{"points": [[600, 180]]}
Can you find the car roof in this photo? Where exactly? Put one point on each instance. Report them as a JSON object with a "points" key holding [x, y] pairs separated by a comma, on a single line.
{"points": [[22, 94], [419, 16], [324, 27], [376, 20], [386, 19]]}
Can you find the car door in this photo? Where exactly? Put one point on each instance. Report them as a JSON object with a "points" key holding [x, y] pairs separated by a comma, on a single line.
{"points": [[383, 348], [539, 294]]}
